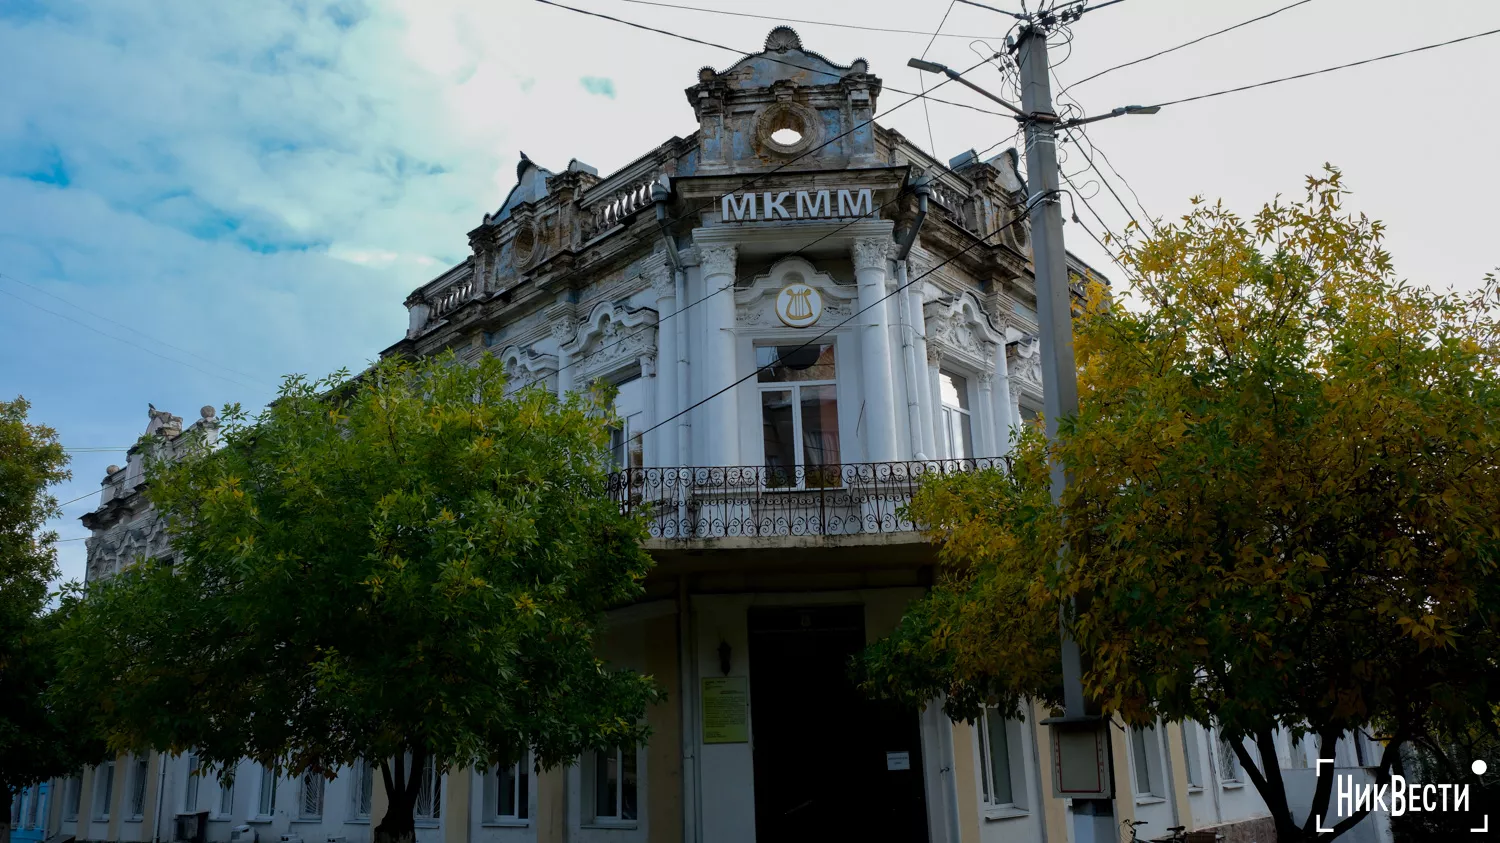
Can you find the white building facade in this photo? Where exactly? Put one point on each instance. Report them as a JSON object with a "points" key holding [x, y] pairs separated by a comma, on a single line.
{"points": [[803, 314]]}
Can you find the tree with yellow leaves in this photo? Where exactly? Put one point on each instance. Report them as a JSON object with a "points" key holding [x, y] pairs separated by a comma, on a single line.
{"points": [[1283, 508]]}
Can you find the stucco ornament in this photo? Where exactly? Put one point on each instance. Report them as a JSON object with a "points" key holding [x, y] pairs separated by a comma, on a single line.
{"points": [[717, 259], [870, 252]]}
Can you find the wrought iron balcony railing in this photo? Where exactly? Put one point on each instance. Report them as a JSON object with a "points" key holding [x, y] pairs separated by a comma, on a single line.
{"points": [[752, 501]]}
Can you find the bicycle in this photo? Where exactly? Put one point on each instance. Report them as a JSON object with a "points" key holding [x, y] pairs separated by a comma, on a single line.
{"points": [[1175, 834]]}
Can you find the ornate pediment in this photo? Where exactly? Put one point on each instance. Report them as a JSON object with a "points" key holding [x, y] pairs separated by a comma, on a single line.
{"points": [[959, 329], [613, 338], [755, 305]]}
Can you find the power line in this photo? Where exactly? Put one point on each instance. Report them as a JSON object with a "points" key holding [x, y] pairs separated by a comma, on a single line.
{"points": [[955, 256], [127, 342], [135, 331], [1182, 45], [703, 43], [922, 83], [796, 20], [1326, 69]]}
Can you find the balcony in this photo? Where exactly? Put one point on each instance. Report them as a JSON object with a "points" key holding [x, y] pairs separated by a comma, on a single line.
{"points": [[748, 502]]}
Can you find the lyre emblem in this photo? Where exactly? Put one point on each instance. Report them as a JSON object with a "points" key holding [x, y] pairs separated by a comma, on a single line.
{"points": [[798, 305]]}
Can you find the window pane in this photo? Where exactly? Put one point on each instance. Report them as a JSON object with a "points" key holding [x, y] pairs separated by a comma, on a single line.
{"points": [[109, 788], [226, 798], [365, 793], [1139, 747], [780, 438], [138, 788], [786, 363], [955, 390], [506, 793], [75, 797], [999, 752], [606, 778], [267, 805], [1190, 749], [820, 425], [627, 785]]}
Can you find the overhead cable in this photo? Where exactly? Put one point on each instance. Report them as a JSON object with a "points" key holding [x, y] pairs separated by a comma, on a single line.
{"points": [[797, 20]]}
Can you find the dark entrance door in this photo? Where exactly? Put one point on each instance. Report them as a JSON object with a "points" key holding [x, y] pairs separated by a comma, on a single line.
{"points": [[830, 764]]}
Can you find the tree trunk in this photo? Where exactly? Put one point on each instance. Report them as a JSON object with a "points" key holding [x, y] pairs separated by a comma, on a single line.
{"points": [[401, 787]]}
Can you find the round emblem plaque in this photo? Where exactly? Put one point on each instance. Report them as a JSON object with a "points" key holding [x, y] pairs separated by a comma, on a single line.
{"points": [[798, 305]]}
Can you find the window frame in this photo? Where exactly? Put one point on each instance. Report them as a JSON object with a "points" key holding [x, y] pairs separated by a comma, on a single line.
{"points": [[432, 784], [1146, 760], [589, 769], [319, 793], [226, 794], [621, 453], [1192, 748], [362, 778], [140, 776], [1015, 766], [265, 809], [947, 412], [190, 784], [794, 387], [523, 791], [1230, 773], [105, 783], [72, 798]]}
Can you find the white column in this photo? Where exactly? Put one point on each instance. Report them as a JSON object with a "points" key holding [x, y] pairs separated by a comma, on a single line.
{"points": [[1007, 416], [664, 449], [870, 259], [721, 430], [924, 382], [985, 443], [940, 448], [562, 332]]}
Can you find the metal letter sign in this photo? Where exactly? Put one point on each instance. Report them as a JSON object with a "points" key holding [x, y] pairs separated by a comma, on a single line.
{"points": [[798, 205]]}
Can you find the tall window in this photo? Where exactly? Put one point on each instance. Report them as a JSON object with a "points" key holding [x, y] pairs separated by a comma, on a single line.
{"points": [[996, 748], [1147, 761], [104, 792], [190, 791], [626, 449], [611, 784], [72, 798], [16, 801], [957, 425], [140, 772], [1191, 747], [362, 790], [310, 800], [508, 793], [266, 801], [1229, 763], [430, 793], [32, 807], [799, 413], [226, 795]]}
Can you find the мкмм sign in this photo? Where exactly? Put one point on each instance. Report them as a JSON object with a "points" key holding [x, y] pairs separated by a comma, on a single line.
{"points": [[798, 204]]}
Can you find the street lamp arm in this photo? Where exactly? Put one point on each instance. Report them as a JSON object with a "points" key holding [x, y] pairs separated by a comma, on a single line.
{"points": [[1123, 110], [934, 67]]}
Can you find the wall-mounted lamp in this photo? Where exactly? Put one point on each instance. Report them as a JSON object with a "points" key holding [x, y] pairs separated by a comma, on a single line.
{"points": [[724, 653]]}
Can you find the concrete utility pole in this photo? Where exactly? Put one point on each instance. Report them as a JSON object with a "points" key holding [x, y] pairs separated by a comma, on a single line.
{"points": [[1054, 305]]}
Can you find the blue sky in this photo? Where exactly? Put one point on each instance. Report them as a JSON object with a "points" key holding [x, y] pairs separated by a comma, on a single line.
{"points": [[254, 187]]}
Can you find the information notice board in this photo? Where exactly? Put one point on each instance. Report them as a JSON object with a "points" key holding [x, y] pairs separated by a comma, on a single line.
{"points": [[726, 710]]}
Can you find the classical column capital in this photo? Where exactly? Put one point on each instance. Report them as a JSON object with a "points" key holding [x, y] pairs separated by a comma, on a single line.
{"points": [[662, 285], [870, 252], [717, 259], [563, 330]]}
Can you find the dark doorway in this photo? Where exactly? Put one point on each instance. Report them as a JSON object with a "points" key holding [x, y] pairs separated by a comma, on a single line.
{"points": [[830, 764]]}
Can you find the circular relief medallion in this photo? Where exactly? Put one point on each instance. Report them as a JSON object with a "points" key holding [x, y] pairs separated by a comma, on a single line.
{"points": [[798, 305]]}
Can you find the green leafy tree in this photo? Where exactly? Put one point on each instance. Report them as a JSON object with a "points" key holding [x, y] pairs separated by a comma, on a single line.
{"points": [[405, 566], [37, 740], [1285, 474]]}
